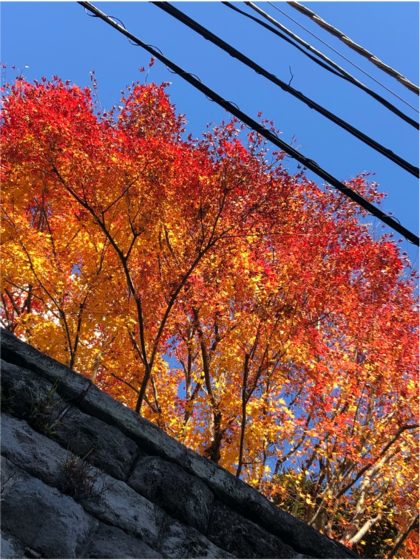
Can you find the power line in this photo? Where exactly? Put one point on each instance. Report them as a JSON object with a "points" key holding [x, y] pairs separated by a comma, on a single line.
{"points": [[260, 70], [308, 46], [279, 34], [361, 50], [192, 24], [344, 57], [330, 64], [270, 136]]}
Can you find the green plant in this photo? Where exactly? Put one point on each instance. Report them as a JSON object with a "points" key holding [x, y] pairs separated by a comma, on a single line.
{"points": [[42, 412]]}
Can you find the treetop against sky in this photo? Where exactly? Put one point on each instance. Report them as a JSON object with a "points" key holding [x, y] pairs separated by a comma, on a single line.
{"points": [[200, 276], [291, 329]]}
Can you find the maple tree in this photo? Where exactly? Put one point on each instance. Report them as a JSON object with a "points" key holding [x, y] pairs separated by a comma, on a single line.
{"points": [[246, 311]]}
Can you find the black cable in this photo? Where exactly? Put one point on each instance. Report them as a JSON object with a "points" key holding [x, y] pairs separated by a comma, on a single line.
{"points": [[358, 48], [180, 16], [280, 34], [338, 71], [310, 164]]}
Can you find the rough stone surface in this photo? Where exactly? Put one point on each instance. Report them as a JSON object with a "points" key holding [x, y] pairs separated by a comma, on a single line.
{"points": [[181, 495], [11, 548], [148, 437], [44, 519], [110, 542], [303, 538], [119, 505], [37, 454], [179, 541], [24, 390], [244, 499], [243, 538], [72, 385], [105, 446], [150, 496]]}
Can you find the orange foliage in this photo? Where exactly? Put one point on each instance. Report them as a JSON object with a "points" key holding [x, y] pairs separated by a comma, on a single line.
{"points": [[246, 311]]}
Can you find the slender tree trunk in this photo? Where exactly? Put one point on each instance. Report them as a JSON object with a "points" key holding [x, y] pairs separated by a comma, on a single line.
{"points": [[243, 421], [401, 539]]}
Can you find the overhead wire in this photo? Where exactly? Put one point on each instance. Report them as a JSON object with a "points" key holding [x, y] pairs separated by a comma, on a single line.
{"points": [[308, 46], [326, 66], [267, 134], [359, 49], [204, 32], [330, 66]]}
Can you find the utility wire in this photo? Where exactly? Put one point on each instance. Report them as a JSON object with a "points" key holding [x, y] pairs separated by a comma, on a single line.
{"points": [[308, 46], [340, 73], [326, 66], [167, 7], [270, 136], [362, 51]]}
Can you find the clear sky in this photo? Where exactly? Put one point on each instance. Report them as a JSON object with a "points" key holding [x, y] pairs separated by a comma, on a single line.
{"points": [[58, 38]]}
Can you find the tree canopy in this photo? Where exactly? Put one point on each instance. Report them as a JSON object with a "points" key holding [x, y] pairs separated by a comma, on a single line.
{"points": [[248, 312]]}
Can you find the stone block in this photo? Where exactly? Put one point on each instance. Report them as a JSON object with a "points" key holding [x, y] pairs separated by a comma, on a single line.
{"points": [[179, 541], [169, 486], [11, 548], [110, 542], [49, 523], [31, 451], [119, 505], [254, 506], [14, 351], [299, 535], [243, 538], [106, 447], [150, 439], [225, 485], [26, 391]]}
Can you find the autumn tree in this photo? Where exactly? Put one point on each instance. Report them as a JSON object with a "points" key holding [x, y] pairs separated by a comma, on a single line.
{"points": [[246, 311]]}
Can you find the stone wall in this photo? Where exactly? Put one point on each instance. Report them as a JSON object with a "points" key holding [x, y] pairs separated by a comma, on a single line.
{"points": [[83, 476]]}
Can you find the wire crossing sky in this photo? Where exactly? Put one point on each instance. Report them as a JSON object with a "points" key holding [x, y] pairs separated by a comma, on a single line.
{"points": [[167, 7], [359, 49], [330, 63], [310, 164], [55, 39]]}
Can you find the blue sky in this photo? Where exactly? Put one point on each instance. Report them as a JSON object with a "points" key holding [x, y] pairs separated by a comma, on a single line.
{"points": [[58, 38]]}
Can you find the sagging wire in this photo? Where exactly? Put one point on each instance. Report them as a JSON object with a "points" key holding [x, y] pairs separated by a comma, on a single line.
{"points": [[208, 35], [343, 57], [90, 15], [358, 48], [118, 20], [257, 127], [329, 65]]}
